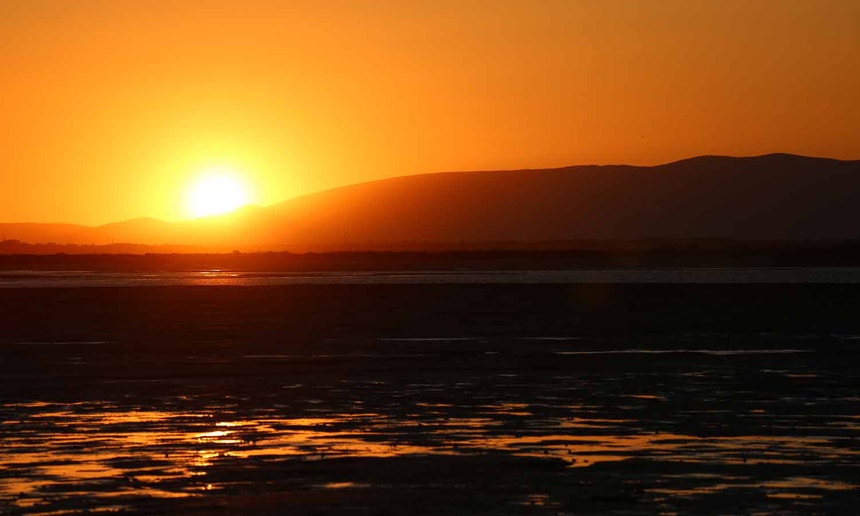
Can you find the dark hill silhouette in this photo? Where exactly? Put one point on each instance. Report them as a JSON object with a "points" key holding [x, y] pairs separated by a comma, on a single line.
{"points": [[772, 197], [39, 233]]}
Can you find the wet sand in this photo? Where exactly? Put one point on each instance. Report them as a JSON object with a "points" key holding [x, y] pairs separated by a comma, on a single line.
{"points": [[430, 399]]}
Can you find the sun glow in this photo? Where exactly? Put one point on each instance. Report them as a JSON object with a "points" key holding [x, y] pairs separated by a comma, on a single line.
{"points": [[217, 191]]}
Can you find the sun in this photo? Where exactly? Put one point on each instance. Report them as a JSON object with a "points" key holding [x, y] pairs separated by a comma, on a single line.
{"points": [[217, 191]]}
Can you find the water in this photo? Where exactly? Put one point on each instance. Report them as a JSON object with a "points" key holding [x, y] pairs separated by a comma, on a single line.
{"points": [[800, 275], [752, 426], [453, 393]]}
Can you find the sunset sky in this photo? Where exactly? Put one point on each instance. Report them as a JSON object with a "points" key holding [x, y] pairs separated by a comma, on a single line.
{"points": [[111, 108]]}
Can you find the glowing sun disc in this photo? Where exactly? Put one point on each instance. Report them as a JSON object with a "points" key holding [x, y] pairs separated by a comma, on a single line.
{"points": [[218, 193]]}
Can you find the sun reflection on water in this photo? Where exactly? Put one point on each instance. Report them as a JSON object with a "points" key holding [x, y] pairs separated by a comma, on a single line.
{"points": [[108, 450], [160, 454]]}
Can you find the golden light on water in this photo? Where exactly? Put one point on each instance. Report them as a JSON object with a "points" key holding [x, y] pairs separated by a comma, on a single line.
{"points": [[117, 455], [218, 190]]}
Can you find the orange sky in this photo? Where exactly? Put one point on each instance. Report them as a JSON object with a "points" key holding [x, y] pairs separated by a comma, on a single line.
{"points": [[111, 107]]}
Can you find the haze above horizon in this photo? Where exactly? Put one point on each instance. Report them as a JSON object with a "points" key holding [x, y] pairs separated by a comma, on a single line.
{"points": [[112, 109]]}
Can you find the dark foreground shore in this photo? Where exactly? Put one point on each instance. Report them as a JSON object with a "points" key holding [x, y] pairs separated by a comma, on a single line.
{"points": [[430, 399]]}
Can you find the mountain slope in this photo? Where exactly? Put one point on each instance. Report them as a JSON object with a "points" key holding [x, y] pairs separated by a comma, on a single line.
{"points": [[772, 197], [768, 197]]}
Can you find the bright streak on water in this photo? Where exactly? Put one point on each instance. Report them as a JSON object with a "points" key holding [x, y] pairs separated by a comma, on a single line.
{"points": [[35, 279]]}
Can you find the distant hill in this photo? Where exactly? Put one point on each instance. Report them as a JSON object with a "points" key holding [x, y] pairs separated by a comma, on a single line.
{"points": [[773, 197]]}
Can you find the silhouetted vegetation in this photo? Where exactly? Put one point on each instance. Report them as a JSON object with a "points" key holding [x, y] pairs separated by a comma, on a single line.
{"points": [[498, 256]]}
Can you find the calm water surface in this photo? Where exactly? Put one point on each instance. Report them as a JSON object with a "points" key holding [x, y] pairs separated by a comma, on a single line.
{"points": [[18, 279]]}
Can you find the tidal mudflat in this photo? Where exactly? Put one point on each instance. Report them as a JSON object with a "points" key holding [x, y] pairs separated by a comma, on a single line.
{"points": [[432, 399]]}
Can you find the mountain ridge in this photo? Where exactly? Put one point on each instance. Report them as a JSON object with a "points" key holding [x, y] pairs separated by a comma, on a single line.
{"points": [[773, 196]]}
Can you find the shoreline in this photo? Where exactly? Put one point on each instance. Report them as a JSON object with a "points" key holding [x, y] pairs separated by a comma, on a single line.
{"points": [[600, 255]]}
